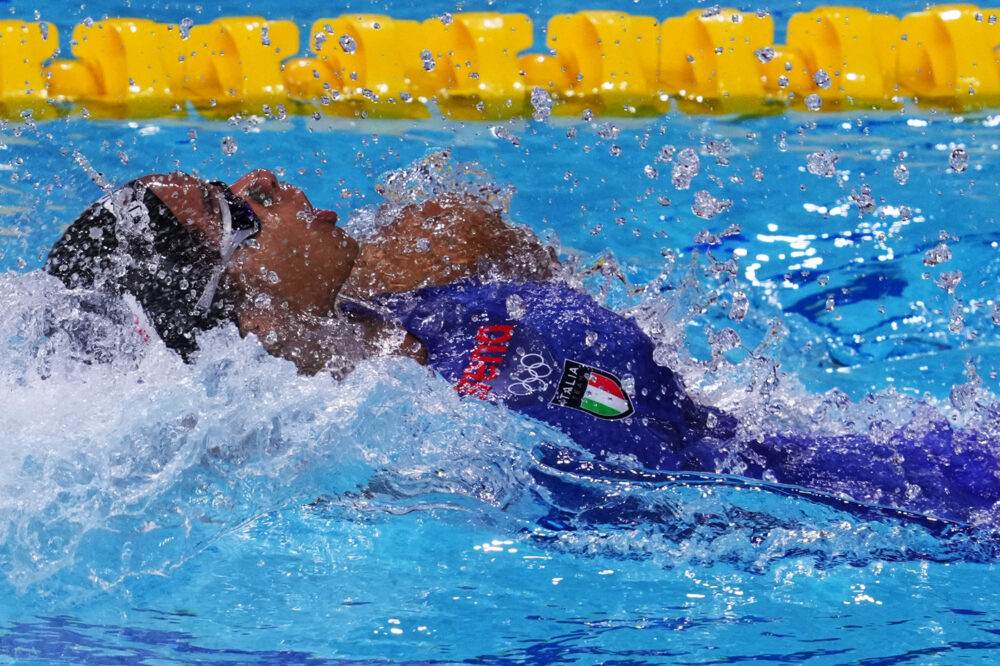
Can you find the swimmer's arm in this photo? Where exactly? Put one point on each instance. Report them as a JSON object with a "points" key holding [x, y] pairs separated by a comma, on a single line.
{"points": [[445, 239]]}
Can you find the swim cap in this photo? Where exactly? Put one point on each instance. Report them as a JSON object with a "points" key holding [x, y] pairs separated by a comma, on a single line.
{"points": [[129, 242]]}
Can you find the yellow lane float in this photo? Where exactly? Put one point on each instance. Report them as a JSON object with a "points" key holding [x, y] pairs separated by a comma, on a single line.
{"points": [[487, 65]]}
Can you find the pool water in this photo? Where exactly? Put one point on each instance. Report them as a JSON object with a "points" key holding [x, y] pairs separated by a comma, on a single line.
{"points": [[233, 511]]}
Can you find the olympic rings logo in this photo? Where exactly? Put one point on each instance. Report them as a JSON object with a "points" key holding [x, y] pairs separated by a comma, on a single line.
{"points": [[531, 376]]}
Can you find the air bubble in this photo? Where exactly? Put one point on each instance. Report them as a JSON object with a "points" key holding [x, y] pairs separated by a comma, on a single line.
{"points": [[319, 39], [814, 102]]}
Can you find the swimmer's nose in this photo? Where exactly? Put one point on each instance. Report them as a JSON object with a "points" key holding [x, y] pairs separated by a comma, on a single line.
{"points": [[325, 216]]}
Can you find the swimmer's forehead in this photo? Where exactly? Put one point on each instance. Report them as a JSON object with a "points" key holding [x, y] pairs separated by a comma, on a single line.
{"points": [[193, 201]]}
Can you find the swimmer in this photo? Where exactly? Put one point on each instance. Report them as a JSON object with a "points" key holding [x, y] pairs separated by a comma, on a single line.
{"points": [[450, 284]]}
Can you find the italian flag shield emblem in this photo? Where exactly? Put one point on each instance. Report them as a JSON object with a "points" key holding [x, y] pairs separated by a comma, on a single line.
{"points": [[592, 390]]}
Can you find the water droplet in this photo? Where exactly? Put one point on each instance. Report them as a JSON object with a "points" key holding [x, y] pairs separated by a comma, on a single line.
{"points": [[501, 132], [229, 146], [822, 79], [423, 245], [43, 27], [650, 171], [937, 255], [515, 306], [864, 199], [348, 44], [185, 27], [740, 307], [319, 39], [822, 163], [814, 102], [447, 18], [765, 54], [783, 81], [956, 319], [725, 340], [758, 174], [829, 304], [901, 173], [541, 102], [608, 131], [615, 150], [428, 60], [265, 39], [123, 156], [590, 338], [662, 200], [685, 168], [959, 159], [714, 10], [706, 206], [88, 22], [949, 280]]}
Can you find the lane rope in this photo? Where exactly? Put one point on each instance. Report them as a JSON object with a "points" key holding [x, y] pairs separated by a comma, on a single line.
{"points": [[482, 66]]}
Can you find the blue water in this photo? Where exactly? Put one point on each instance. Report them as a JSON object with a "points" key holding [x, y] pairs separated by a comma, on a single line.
{"points": [[233, 511]]}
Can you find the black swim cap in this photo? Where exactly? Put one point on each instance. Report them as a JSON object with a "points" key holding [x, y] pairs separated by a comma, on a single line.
{"points": [[129, 242]]}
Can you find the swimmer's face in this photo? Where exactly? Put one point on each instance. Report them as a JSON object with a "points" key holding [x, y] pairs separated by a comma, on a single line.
{"points": [[300, 259]]}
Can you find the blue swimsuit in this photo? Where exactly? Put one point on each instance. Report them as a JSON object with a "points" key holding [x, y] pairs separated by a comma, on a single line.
{"points": [[556, 355]]}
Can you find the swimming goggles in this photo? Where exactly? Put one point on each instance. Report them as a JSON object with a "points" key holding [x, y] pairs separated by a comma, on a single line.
{"points": [[239, 224]]}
